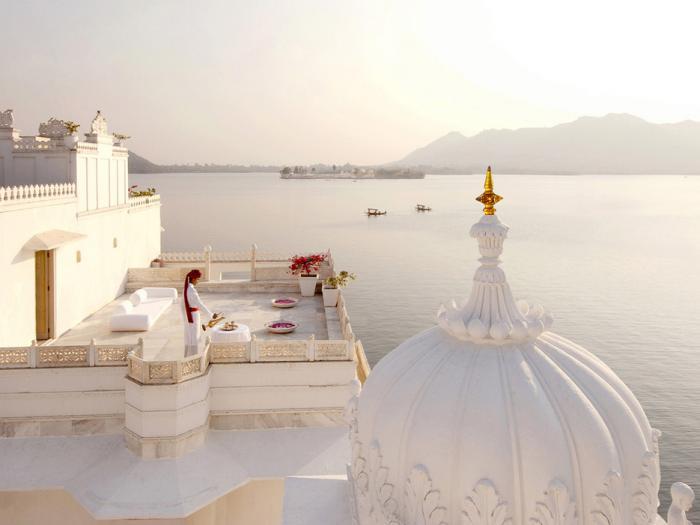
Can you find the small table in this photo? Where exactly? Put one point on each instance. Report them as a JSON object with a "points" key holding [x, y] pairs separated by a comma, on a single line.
{"points": [[239, 335]]}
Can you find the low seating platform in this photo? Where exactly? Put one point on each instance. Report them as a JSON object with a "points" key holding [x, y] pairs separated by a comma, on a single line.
{"points": [[143, 308]]}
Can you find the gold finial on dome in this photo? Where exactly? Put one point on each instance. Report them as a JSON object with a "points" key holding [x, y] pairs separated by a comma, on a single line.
{"points": [[489, 198]]}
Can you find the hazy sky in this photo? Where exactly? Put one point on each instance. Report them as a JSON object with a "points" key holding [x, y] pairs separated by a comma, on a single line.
{"points": [[336, 81]]}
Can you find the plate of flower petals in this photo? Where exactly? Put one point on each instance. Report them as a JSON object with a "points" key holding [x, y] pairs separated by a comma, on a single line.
{"points": [[281, 327], [285, 302]]}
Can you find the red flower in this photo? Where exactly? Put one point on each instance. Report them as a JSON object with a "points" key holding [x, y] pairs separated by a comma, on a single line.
{"points": [[306, 264]]}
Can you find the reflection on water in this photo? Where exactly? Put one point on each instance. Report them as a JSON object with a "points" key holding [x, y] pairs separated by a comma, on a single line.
{"points": [[614, 258]]}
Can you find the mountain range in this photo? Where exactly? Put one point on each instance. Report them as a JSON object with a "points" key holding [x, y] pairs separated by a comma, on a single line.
{"points": [[615, 143]]}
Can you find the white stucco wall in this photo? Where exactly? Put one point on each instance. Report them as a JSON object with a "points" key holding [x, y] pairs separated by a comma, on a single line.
{"points": [[39, 168], [54, 393], [101, 177], [80, 287], [170, 410], [259, 502]]}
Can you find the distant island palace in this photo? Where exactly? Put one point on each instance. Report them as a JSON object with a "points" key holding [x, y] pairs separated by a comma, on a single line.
{"points": [[487, 418], [350, 172]]}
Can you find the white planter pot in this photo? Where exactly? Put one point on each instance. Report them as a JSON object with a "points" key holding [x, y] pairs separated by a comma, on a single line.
{"points": [[70, 141], [330, 296], [307, 285]]}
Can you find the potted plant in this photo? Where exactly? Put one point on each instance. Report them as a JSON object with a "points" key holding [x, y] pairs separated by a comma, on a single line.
{"points": [[120, 138], [332, 285], [306, 268], [71, 139], [134, 191]]}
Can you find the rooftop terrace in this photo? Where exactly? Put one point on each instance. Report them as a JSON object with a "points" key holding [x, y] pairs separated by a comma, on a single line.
{"points": [[165, 340], [241, 286]]}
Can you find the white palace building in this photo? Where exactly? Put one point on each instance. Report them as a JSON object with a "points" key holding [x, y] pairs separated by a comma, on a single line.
{"points": [[68, 229], [487, 418]]}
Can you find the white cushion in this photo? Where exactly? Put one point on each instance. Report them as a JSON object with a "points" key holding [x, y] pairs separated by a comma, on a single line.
{"points": [[130, 318], [131, 323], [161, 293], [124, 307], [153, 308], [138, 296]]}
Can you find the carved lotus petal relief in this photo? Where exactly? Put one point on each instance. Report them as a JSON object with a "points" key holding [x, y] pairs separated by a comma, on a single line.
{"points": [[422, 501], [645, 501], [381, 490], [608, 505], [557, 508], [484, 506], [351, 416], [359, 468]]}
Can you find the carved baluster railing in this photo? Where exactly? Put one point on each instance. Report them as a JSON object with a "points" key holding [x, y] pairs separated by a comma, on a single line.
{"points": [[36, 192]]}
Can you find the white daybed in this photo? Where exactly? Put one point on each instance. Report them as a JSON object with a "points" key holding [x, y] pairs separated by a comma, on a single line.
{"points": [[143, 308]]}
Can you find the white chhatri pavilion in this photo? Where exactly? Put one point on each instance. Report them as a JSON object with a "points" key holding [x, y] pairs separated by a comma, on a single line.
{"points": [[492, 419]]}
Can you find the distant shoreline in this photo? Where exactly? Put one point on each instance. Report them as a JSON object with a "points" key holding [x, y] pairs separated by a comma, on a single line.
{"points": [[427, 173]]}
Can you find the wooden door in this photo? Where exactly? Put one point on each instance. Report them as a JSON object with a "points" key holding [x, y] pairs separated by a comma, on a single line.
{"points": [[44, 294]]}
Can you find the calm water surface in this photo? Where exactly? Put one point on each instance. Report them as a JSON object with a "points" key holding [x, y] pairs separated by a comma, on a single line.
{"points": [[614, 258]]}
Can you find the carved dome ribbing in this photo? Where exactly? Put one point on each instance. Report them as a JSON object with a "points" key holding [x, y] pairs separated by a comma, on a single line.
{"points": [[484, 426]]}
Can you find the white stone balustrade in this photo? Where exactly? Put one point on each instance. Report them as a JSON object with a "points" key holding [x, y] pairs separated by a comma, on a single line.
{"points": [[166, 372], [36, 192], [256, 351], [67, 356], [182, 257], [345, 326], [258, 272], [86, 147], [230, 256], [236, 256], [119, 151], [144, 200], [37, 143], [223, 257]]}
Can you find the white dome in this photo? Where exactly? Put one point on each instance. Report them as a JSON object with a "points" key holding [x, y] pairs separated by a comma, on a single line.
{"points": [[490, 419]]}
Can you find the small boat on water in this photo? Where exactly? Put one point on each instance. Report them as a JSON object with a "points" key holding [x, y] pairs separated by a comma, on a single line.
{"points": [[423, 207], [374, 211]]}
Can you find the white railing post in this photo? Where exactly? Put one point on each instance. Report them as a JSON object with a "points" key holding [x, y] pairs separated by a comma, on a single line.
{"points": [[311, 348], [254, 349], [205, 358], [207, 262], [33, 354], [92, 352], [253, 255]]}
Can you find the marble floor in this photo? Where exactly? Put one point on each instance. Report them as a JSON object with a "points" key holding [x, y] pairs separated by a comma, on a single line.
{"points": [[165, 340]]}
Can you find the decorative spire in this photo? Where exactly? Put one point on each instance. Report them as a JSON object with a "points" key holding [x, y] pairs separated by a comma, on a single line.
{"points": [[99, 124], [491, 314], [489, 198]]}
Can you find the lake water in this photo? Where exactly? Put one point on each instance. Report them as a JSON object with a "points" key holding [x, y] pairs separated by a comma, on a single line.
{"points": [[614, 258]]}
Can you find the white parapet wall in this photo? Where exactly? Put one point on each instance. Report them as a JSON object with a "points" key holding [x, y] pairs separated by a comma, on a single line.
{"points": [[167, 407], [62, 390], [170, 405]]}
